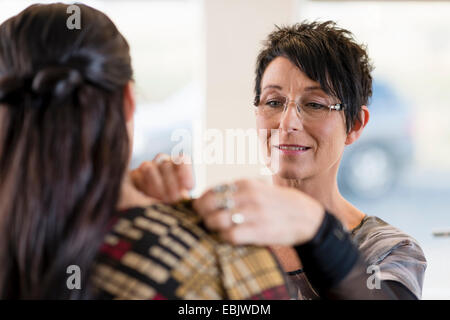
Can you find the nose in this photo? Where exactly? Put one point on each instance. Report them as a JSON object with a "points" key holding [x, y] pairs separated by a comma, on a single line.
{"points": [[290, 119]]}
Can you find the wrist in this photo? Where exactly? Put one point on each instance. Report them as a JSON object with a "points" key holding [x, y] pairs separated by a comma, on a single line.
{"points": [[329, 256], [316, 218]]}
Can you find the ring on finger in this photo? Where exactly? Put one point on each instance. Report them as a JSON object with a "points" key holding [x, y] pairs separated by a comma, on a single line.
{"points": [[225, 188], [225, 202], [237, 218]]}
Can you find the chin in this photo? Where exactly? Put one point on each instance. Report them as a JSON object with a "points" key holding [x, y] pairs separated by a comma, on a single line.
{"points": [[291, 171]]}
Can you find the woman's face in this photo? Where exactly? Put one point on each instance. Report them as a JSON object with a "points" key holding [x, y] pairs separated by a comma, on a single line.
{"points": [[302, 147]]}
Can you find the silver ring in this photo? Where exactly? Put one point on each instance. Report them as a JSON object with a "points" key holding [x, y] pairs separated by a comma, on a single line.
{"points": [[225, 202], [224, 188], [237, 218]]}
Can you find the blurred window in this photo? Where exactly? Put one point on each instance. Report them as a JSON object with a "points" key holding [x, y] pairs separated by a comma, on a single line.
{"points": [[166, 48]]}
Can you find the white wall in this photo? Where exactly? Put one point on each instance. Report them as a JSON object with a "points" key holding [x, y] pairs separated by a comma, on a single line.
{"points": [[235, 30]]}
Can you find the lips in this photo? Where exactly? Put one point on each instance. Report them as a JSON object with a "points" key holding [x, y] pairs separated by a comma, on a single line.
{"points": [[292, 148]]}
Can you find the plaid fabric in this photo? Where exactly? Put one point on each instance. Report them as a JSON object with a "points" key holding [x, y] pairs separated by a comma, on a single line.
{"points": [[164, 252]]}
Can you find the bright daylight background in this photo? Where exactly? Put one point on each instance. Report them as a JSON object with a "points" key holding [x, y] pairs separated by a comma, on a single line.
{"points": [[409, 43], [404, 156]]}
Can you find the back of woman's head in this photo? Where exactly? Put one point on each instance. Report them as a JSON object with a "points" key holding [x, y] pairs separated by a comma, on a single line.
{"points": [[63, 145]]}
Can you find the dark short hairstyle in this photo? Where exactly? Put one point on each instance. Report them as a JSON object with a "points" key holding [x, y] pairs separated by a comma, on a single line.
{"points": [[326, 54]]}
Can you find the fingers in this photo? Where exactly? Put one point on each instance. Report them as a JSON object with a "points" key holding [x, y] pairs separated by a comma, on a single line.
{"points": [[233, 211], [148, 180], [206, 203], [218, 220], [183, 168], [242, 235], [221, 221], [255, 212], [210, 201], [164, 178], [170, 181], [177, 176]]}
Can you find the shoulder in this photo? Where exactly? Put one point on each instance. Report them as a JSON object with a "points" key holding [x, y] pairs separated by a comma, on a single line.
{"points": [[168, 252], [143, 247], [398, 255], [376, 239]]}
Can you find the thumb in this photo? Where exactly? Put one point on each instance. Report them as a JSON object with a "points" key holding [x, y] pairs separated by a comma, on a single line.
{"points": [[183, 165]]}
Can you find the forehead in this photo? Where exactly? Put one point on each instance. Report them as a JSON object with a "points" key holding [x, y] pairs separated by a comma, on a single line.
{"points": [[283, 73]]}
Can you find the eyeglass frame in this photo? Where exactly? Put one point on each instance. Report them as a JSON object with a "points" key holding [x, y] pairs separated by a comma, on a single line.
{"points": [[336, 106]]}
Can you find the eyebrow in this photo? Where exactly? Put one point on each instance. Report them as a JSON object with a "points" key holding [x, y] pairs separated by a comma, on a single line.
{"points": [[273, 86], [313, 88]]}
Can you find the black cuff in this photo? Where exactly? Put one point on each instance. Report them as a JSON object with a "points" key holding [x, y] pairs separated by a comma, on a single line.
{"points": [[329, 256]]}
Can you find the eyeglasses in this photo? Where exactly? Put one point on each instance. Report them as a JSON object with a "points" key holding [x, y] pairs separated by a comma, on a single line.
{"points": [[310, 108]]}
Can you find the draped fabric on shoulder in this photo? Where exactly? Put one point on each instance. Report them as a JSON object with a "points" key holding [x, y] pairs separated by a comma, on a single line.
{"points": [[164, 252], [398, 255]]}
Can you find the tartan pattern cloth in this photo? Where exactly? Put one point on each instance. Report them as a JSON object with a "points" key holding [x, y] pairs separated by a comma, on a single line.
{"points": [[165, 252]]}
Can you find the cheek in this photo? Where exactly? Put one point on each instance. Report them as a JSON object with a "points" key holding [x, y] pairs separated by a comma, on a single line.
{"points": [[264, 128], [268, 135], [262, 123], [330, 138]]}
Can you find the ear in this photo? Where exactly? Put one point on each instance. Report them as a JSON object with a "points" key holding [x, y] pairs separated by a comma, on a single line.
{"points": [[358, 128], [129, 101]]}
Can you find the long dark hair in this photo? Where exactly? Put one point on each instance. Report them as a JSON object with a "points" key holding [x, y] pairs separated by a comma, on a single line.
{"points": [[64, 146]]}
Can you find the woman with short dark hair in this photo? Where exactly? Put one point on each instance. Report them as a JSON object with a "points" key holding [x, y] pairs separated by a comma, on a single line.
{"points": [[312, 87]]}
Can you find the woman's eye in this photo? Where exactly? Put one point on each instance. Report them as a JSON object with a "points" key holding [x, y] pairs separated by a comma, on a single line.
{"points": [[274, 103], [315, 106]]}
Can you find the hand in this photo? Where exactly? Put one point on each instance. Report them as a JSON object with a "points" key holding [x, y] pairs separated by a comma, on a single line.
{"points": [[163, 178], [272, 215]]}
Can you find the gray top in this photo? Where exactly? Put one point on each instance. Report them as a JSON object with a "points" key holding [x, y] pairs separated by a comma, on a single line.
{"points": [[398, 256]]}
